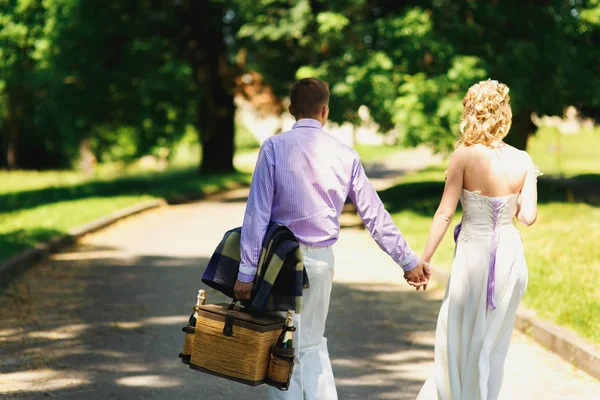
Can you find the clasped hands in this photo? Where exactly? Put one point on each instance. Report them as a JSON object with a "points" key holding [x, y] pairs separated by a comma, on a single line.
{"points": [[419, 276]]}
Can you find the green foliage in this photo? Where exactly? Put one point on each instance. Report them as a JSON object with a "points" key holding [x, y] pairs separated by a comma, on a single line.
{"points": [[411, 62], [244, 139], [133, 75], [36, 206], [75, 70]]}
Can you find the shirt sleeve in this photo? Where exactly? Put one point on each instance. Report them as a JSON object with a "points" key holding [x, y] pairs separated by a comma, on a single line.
{"points": [[378, 221], [258, 213]]}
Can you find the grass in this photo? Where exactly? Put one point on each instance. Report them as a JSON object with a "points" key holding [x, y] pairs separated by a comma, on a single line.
{"points": [[567, 154], [562, 249], [370, 154], [35, 206]]}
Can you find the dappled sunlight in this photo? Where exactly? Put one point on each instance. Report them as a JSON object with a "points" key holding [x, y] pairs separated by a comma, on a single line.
{"points": [[403, 356], [381, 335], [90, 255], [108, 353], [417, 369], [424, 338], [60, 333], [127, 325], [40, 380], [7, 333], [76, 330], [121, 367], [161, 321], [152, 381], [380, 378], [166, 320], [52, 335]]}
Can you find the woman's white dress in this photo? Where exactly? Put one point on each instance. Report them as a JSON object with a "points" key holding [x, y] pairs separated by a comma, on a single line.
{"points": [[487, 282]]}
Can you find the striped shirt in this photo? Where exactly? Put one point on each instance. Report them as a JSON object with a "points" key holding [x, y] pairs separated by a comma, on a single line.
{"points": [[302, 180]]}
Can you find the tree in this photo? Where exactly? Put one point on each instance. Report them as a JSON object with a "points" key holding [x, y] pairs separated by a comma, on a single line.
{"points": [[201, 40], [133, 75], [150, 69], [21, 36], [123, 85], [412, 62]]}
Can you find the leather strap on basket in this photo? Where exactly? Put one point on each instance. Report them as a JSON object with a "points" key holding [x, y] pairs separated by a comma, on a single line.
{"points": [[228, 328]]}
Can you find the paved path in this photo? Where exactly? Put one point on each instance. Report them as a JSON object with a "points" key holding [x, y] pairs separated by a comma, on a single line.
{"points": [[103, 320]]}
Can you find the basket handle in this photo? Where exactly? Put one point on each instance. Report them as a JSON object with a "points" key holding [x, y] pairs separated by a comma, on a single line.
{"points": [[228, 327], [232, 305]]}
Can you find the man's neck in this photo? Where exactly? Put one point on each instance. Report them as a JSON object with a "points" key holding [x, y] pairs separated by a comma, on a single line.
{"points": [[321, 120]]}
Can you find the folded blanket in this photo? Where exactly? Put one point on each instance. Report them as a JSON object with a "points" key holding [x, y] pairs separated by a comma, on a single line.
{"points": [[280, 277]]}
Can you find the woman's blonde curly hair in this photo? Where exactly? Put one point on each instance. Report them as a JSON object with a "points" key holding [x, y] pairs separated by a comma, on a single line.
{"points": [[486, 116]]}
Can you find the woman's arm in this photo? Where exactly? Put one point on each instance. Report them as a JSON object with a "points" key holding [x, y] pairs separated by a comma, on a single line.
{"points": [[527, 213], [447, 207]]}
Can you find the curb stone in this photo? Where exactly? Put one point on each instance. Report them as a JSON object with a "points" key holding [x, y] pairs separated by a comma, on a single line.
{"points": [[20, 262], [562, 341]]}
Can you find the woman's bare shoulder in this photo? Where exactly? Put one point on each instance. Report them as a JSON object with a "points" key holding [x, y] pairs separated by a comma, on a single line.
{"points": [[520, 156], [463, 152]]}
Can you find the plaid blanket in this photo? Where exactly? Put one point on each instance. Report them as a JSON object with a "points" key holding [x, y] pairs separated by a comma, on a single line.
{"points": [[280, 277]]}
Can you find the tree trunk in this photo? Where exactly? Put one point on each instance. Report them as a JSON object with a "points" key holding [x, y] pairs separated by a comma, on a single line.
{"points": [[12, 128], [522, 127], [216, 114], [203, 45], [217, 132]]}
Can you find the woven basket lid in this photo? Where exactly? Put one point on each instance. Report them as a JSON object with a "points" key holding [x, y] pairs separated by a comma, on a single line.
{"points": [[267, 322]]}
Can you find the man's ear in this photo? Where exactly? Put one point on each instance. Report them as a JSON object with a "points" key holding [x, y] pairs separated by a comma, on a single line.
{"points": [[290, 110], [325, 111]]}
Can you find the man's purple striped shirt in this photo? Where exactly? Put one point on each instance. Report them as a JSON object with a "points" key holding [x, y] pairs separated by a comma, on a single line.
{"points": [[302, 179]]}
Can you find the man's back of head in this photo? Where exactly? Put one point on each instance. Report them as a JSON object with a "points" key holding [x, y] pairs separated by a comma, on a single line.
{"points": [[309, 98]]}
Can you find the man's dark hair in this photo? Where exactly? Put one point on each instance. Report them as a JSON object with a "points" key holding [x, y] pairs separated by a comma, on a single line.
{"points": [[308, 96]]}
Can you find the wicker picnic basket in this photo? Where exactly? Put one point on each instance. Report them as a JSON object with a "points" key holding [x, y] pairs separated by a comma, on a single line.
{"points": [[232, 343]]}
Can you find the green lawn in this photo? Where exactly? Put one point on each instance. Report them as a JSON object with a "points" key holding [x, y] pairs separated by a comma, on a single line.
{"points": [[562, 248], [35, 206], [370, 154], [567, 154]]}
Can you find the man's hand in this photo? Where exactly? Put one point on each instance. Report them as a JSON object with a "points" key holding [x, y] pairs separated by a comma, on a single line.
{"points": [[242, 291], [419, 276]]}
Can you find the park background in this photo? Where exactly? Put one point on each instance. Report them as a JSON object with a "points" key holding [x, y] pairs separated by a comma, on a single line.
{"points": [[105, 105]]}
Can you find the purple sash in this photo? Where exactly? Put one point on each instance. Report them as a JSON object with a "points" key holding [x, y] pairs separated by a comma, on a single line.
{"points": [[496, 206]]}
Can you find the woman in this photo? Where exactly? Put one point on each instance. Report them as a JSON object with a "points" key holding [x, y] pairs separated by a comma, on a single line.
{"points": [[495, 183]]}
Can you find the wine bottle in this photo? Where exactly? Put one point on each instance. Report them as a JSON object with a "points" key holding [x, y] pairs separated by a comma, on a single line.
{"points": [[286, 339], [200, 301], [281, 359], [190, 329]]}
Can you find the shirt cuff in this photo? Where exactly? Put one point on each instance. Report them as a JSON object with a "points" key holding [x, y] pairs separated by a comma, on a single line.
{"points": [[246, 274], [409, 262]]}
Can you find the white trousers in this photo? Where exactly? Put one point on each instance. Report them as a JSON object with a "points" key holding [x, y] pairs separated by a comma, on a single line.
{"points": [[312, 378]]}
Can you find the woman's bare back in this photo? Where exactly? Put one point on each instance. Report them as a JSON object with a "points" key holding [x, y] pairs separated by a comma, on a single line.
{"points": [[500, 171], [495, 172]]}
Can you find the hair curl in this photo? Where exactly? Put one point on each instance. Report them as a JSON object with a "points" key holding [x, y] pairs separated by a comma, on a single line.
{"points": [[486, 116]]}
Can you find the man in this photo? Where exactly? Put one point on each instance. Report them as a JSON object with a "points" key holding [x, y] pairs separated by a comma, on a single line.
{"points": [[302, 179]]}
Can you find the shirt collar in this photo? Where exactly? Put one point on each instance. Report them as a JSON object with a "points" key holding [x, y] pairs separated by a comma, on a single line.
{"points": [[308, 123]]}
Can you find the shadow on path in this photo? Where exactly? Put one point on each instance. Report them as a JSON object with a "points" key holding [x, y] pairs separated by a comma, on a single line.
{"points": [[91, 325]]}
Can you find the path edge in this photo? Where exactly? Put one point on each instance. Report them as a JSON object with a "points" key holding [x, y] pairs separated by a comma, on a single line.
{"points": [[563, 341], [22, 261]]}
